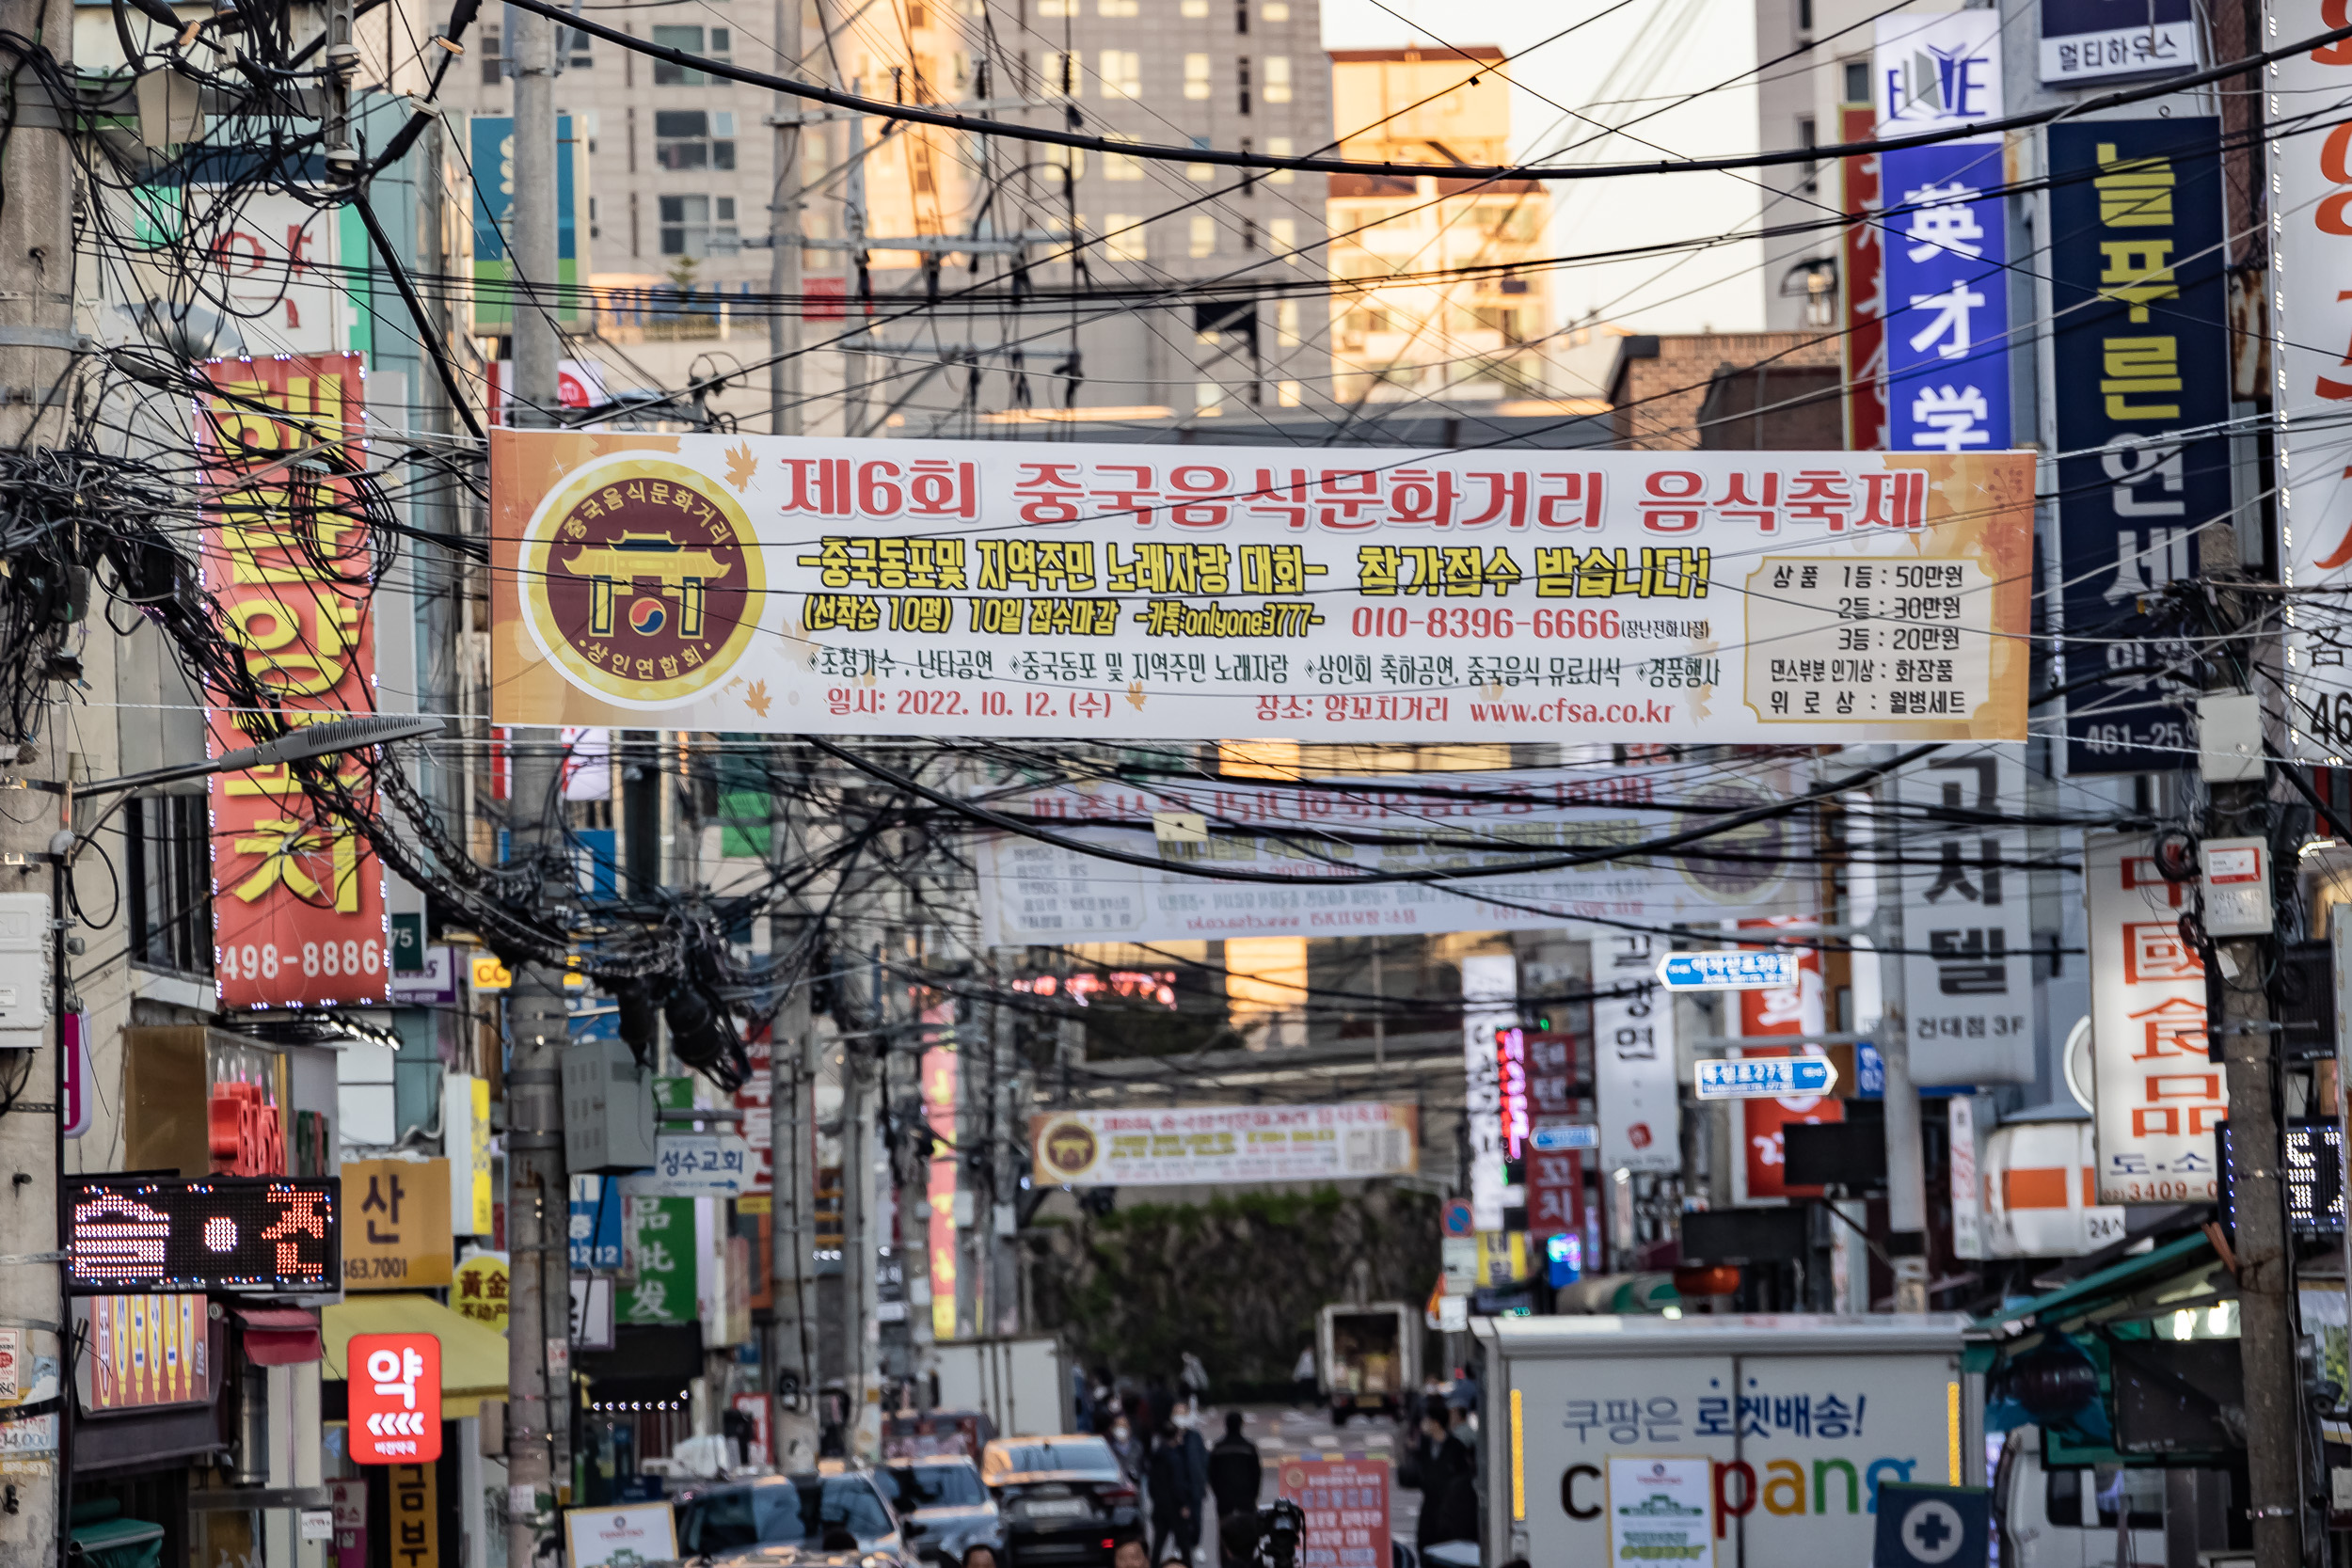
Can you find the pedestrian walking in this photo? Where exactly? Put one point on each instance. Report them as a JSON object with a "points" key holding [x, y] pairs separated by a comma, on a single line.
{"points": [[1303, 1379], [1194, 1380], [1175, 1493], [1448, 1494], [1126, 1448], [1235, 1472]]}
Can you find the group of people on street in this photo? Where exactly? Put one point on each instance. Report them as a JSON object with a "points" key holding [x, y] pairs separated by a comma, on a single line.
{"points": [[1155, 1433], [1443, 1464]]}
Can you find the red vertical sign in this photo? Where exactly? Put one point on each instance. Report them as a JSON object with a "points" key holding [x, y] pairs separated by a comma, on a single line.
{"points": [[939, 1115], [1864, 282], [1555, 1194], [298, 917], [1797, 1010], [1346, 1505], [395, 1394]]}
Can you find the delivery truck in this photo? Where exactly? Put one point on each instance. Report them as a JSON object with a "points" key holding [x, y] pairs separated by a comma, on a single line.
{"points": [[1732, 1442], [1021, 1385], [1368, 1353]]}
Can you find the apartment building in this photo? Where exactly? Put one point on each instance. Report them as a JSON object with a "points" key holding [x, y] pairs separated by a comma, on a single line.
{"points": [[1404, 325]]}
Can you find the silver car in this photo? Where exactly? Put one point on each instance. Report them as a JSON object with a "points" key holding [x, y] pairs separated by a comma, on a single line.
{"points": [[733, 1521], [946, 1515]]}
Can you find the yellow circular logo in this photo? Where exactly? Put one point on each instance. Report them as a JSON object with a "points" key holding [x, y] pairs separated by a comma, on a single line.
{"points": [[643, 578], [1070, 1148]]}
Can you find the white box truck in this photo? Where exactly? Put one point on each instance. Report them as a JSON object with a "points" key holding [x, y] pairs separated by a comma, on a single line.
{"points": [[1778, 1430], [1022, 1384], [1368, 1354]]}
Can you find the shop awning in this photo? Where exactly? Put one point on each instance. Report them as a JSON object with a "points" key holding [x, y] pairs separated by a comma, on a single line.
{"points": [[473, 1356], [279, 1335]]}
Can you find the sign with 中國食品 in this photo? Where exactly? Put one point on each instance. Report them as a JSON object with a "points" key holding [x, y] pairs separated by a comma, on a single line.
{"points": [[754, 583], [2157, 1099], [1224, 1143]]}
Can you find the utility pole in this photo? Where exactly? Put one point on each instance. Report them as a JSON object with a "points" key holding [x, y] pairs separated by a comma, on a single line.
{"points": [[1906, 1165], [36, 362], [855, 359], [783, 237], [791, 1223], [2265, 1284], [533, 242]]}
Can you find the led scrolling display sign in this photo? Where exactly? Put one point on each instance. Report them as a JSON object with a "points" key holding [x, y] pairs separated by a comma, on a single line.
{"points": [[225, 1233]]}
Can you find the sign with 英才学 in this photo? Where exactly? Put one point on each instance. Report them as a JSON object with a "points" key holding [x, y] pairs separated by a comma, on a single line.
{"points": [[398, 1235], [1765, 1077], [754, 583]]}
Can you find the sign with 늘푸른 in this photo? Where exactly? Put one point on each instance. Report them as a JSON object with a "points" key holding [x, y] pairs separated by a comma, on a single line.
{"points": [[918, 588], [1224, 1143], [1729, 968], [1765, 1078]]}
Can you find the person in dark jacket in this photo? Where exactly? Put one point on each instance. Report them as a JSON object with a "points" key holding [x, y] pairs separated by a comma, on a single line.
{"points": [[1449, 1486], [1175, 1493], [1234, 1470]]}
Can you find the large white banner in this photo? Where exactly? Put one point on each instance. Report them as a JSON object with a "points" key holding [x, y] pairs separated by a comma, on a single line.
{"points": [[1223, 1142], [1967, 919], [1327, 832], [1491, 990], [2157, 1096], [2311, 316], [783, 586], [1633, 1058]]}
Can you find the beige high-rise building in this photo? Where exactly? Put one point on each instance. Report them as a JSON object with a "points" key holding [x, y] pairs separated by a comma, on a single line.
{"points": [[1427, 333]]}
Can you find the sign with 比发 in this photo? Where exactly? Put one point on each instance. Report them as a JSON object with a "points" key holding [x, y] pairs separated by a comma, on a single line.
{"points": [[2142, 373], [399, 1236], [1967, 922], [2157, 1099], [395, 1385], [278, 1235], [299, 914], [904, 587], [1466, 830], [1224, 1143]]}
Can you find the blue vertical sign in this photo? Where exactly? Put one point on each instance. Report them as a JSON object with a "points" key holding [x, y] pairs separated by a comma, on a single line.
{"points": [[491, 144], [1946, 298], [595, 1224], [2140, 355]]}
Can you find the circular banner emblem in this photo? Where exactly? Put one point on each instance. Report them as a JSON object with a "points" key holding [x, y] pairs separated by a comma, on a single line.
{"points": [[642, 579], [1070, 1148]]}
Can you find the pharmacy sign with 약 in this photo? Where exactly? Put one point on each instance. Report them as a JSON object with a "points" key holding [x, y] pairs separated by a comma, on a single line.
{"points": [[879, 588]]}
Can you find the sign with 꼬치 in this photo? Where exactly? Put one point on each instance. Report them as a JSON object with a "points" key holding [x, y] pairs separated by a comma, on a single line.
{"points": [[764, 584], [1766, 1078], [1224, 1143], [1744, 969]]}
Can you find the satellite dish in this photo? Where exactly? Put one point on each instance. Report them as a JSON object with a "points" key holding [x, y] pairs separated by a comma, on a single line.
{"points": [[2076, 1062]]}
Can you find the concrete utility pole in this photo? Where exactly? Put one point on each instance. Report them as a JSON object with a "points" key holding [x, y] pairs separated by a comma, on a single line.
{"points": [[533, 245], [36, 359], [1906, 1165], [2266, 1283], [783, 237], [792, 1226]]}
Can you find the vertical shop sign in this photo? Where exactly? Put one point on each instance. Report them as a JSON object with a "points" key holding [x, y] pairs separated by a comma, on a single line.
{"points": [[2141, 369], [397, 1233], [298, 913], [1798, 1009], [416, 1517], [2156, 1098], [1633, 1058], [939, 1115], [1967, 923], [2311, 315], [661, 1244], [1864, 271], [1490, 989]]}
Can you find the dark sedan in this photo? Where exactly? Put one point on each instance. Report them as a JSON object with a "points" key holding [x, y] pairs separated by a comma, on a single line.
{"points": [[1063, 1500], [946, 1514]]}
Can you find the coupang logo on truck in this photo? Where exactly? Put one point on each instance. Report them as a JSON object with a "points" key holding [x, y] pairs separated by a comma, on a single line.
{"points": [[1831, 1484]]}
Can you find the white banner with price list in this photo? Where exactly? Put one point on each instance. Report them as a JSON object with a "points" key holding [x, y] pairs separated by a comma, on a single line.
{"points": [[775, 585]]}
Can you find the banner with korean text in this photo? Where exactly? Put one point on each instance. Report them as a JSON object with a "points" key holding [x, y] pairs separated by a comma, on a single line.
{"points": [[1329, 831], [1224, 1143], [298, 911], [2311, 315], [2156, 1098], [780, 586], [1635, 1081], [1967, 921], [2140, 370]]}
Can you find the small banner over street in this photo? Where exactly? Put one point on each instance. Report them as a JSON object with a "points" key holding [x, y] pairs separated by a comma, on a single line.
{"points": [[1224, 1143], [781, 586]]}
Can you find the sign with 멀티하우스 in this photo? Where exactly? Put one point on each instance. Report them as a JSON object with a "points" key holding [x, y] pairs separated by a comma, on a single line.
{"points": [[1661, 1508], [273, 1234], [1224, 1143], [2156, 1098], [916, 588], [1729, 968], [1345, 1504], [2099, 40], [1765, 1078], [699, 1164], [1967, 921], [1329, 831], [398, 1237]]}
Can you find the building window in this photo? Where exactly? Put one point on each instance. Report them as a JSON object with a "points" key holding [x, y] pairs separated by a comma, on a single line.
{"points": [[169, 881], [1121, 166], [1284, 232], [1121, 70], [1117, 7], [693, 138], [1194, 10], [1286, 323], [1208, 400], [1241, 83], [1058, 73], [1070, 159], [1196, 76], [1281, 147], [1278, 78], [572, 49], [1204, 235], [1056, 8], [1857, 81], [1276, 10], [714, 42], [1123, 237], [1809, 137], [1286, 394], [493, 67], [1241, 17], [698, 226], [918, 18]]}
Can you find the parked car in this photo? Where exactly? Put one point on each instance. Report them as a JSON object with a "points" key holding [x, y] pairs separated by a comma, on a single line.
{"points": [[820, 1514], [944, 1513], [1063, 1500]]}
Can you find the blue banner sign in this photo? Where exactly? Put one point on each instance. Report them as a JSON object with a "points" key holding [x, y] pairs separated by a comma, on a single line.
{"points": [[1766, 1078], [1755, 969]]}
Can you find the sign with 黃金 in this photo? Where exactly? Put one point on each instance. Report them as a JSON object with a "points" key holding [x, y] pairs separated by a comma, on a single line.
{"points": [[396, 1229], [755, 584], [1224, 1143], [479, 1289]]}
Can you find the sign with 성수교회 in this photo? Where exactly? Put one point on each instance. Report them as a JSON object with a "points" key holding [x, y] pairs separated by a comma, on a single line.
{"points": [[895, 588]]}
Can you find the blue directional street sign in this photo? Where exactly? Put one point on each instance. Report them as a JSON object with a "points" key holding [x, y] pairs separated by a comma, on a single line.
{"points": [[1733, 969], [1551, 1137], [1931, 1527], [1766, 1078]]}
